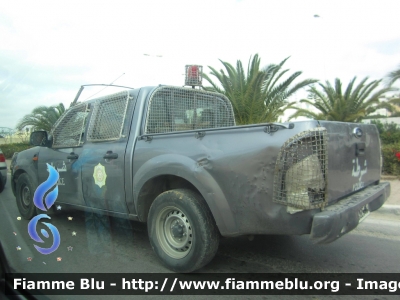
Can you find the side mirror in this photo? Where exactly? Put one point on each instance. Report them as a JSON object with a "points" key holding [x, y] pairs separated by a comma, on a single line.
{"points": [[39, 138]]}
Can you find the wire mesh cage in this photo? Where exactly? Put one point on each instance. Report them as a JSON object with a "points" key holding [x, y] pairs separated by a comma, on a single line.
{"points": [[179, 109], [108, 117], [300, 179], [68, 130]]}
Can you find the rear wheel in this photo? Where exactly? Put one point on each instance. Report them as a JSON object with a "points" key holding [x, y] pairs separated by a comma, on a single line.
{"points": [[24, 195], [182, 230]]}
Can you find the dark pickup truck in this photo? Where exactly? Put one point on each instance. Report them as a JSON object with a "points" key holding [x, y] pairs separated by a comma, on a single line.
{"points": [[174, 158]]}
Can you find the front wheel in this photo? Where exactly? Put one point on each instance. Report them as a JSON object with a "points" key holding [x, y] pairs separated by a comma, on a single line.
{"points": [[24, 195], [2, 184], [182, 230]]}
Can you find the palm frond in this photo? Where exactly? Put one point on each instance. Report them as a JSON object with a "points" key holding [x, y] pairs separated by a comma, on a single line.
{"points": [[393, 76], [260, 95], [42, 117], [350, 104]]}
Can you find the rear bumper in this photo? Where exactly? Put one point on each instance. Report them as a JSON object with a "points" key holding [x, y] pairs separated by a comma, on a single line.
{"points": [[342, 217]]}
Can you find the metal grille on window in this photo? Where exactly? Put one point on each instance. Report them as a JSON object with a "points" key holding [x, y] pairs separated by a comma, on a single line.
{"points": [[301, 170], [68, 130], [108, 117], [179, 109]]}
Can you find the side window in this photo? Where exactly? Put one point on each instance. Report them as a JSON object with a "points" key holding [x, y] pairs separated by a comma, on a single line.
{"points": [[178, 109], [108, 118], [69, 130], [210, 113]]}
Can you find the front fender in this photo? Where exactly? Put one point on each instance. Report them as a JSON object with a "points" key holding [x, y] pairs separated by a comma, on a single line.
{"points": [[25, 164], [197, 175]]}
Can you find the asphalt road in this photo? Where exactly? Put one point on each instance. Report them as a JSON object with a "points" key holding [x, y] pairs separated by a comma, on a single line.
{"points": [[105, 244]]}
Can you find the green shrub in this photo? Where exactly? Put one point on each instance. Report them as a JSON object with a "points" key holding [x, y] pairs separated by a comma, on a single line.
{"points": [[388, 132], [391, 163], [9, 149], [390, 137]]}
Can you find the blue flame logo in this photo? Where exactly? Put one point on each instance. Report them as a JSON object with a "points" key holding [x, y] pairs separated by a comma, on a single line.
{"points": [[49, 201], [44, 187]]}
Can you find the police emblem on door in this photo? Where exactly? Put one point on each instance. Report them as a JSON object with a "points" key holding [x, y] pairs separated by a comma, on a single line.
{"points": [[99, 175]]}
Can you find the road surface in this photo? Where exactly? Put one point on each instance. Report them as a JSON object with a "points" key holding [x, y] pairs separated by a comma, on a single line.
{"points": [[104, 244]]}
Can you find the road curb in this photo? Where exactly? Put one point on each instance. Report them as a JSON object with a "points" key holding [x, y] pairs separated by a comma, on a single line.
{"points": [[389, 177]]}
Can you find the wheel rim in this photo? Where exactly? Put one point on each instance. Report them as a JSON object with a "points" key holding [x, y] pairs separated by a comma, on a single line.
{"points": [[26, 195], [174, 232]]}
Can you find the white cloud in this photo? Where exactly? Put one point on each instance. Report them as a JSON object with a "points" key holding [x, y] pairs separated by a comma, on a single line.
{"points": [[53, 47]]}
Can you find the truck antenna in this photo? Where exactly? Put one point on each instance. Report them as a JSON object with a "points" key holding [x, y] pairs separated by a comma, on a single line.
{"points": [[106, 86], [83, 86]]}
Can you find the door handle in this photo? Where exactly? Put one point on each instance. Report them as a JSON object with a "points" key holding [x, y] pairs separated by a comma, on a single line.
{"points": [[110, 155], [72, 155], [360, 149]]}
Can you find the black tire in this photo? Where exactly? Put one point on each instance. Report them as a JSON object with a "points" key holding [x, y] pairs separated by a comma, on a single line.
{"points": [[24, 195], [2, 184], [192, 237]]}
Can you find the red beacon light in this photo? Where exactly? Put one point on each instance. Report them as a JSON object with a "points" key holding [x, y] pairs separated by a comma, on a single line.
{"points": [[193, 75]]}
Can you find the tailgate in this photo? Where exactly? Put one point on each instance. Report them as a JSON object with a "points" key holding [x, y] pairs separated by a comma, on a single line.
{"points": [[354, 157]]}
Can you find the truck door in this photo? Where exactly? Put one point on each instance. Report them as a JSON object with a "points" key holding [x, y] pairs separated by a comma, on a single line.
{"points": [[64, 154], [103, 155]]}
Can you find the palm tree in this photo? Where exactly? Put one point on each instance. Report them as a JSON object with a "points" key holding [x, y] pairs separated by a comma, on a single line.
{"points": [[351, 106], [395, 102], [392, 77], [256, 97], [42, 117]]}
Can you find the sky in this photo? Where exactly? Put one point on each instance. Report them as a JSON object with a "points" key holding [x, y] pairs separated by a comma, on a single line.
{"points": [[49, 49]]}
